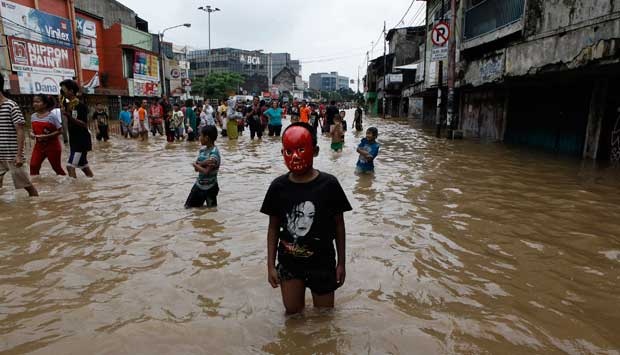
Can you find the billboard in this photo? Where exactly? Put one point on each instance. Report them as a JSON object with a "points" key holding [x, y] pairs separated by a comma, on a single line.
{"points": [[145, 66], [38, 26], [34, 83], [143, 88], [87, 44], [29, 56]]}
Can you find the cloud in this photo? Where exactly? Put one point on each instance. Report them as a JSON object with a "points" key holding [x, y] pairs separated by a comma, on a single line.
{"points": [[327, 35]]}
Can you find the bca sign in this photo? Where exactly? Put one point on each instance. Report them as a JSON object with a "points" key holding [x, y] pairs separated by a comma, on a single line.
{"points": [[247, 59]]}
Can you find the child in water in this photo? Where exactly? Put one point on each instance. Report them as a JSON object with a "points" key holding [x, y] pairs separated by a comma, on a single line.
{"points": [[368, 150], [337, 134], [305, 209], [207, 165]]}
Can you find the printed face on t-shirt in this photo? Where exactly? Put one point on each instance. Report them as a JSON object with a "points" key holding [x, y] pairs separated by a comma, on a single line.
{"points": [[300, 219]]}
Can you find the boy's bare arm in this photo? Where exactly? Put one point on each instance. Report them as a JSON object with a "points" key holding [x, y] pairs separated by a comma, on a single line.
{"points": [[340, 248], [272, 243]]}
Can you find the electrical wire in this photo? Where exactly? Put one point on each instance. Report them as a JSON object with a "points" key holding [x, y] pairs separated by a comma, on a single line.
{"points": [[417, 14], [406, 12]]}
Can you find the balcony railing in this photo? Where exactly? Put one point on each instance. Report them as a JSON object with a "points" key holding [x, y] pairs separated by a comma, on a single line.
{"points": [[491, 15]]}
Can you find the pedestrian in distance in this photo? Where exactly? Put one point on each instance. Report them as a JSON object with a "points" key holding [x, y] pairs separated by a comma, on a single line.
{"points": [[101, 117], [304, 112], [206, 189], [337, 134], [191, 121], [156, 118], [343, 115], [357, 120], [135, 123], [125, 121], [253, 118], [45, 129], [12, 139], [306, 215], [234, 120], [143, 121], [76, 113], [314, 117], [330, 112], [274, 123], [178, 121], [368, 150], [167, 109]]}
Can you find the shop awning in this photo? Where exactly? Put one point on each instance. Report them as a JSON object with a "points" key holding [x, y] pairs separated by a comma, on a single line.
{"points": [[412, 66]]}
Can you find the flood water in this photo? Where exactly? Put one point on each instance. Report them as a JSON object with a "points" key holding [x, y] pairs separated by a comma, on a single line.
{"points": [[454, 247]]}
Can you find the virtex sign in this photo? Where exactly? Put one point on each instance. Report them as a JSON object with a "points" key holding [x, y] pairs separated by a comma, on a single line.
{"points": [[31, 24], [28, 56]]}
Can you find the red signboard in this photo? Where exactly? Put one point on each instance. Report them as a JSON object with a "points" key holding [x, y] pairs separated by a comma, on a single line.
{"points": [[40, 58]]}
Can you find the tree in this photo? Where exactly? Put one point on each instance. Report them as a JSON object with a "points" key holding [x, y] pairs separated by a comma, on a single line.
{"points": [[217, 85]]}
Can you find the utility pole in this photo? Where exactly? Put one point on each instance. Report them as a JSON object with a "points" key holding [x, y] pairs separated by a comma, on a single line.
{"points": [[439, 85], [451, 68], [384, 70]]}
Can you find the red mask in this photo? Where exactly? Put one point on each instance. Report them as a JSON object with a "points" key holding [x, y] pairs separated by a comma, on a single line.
{"points": [[298, 150]]}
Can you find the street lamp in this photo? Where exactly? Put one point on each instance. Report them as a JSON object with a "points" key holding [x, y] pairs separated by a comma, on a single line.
{"points": [[163, 61], [208, 9]]}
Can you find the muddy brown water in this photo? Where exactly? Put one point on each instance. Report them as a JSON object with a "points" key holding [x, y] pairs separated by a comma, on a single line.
{"points": [[453, 247]]}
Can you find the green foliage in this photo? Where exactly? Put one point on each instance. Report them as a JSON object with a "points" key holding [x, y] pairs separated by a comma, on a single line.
{"points": [[217, 85]]}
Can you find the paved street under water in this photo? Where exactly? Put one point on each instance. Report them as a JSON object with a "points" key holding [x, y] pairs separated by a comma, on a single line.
{"points": [[453, 247]]}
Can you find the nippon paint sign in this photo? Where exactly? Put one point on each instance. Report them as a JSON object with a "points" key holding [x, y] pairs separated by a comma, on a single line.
{"points": [[28, 23], [33, 83], [29, 56]]}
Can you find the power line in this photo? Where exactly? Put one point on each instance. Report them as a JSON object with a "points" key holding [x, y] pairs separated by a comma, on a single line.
{"points": [[417, 14], [406, 12]]}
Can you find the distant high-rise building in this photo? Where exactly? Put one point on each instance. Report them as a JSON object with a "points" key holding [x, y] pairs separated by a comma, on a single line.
{"points": [[281, 60], [328, 81]]}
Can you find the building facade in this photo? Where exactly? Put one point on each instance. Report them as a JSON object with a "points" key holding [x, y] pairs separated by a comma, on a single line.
{"points": [[281, 60], [253, 65], [328, 81]]}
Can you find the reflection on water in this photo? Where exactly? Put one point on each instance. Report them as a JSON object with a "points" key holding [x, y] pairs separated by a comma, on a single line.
{"points": [[453, 247]]}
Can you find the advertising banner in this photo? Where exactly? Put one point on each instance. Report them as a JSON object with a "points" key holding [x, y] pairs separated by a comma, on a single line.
{"points": [[34, 83], [145, 88], [145, 66], [29, 56], [87, 44], [38, 26]]}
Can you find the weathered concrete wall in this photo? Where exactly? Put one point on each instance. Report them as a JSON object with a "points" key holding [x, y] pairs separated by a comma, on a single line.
{"points": [[571, 50], [111, 11], [549, 15]]}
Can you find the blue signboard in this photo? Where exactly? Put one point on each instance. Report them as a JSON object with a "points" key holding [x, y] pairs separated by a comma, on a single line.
{"points": [[28, 23]]}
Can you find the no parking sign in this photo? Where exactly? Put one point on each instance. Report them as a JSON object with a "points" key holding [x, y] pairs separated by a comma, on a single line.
{"points": [[439, 37]]}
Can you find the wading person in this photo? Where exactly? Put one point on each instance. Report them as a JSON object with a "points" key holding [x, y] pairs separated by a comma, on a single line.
{"points": [[167, 109], [191, 124], [330, 112], [80, 142], [357, 120], [205, 188], [12, 139], [156, 118], [304, 112], [143, 120], [125, 120], [45, 131], [368, 150], [252, 117], [305, 209], [178, 121], [101, 117], [337, 134], [274, 123]]}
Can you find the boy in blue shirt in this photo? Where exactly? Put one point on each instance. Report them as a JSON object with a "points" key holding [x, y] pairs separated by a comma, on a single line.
{"points": [[125, 118], [368, 150], [207, 165]]}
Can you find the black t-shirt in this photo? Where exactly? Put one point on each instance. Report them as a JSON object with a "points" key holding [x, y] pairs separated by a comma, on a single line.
{"points": [[253, 115], [306, 212], [314, 119], [294, 110], [79, 137], [101, 118], [330, 113]]}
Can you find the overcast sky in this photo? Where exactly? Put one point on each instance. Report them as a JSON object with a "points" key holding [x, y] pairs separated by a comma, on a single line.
{"points": [[326, 35]]}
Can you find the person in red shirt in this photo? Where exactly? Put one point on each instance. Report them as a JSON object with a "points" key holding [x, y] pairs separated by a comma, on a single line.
{"points": [[45, 130], [156, 115]]}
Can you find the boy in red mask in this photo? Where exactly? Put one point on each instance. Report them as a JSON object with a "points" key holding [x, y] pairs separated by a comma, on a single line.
{"points": [[305, 209]]}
